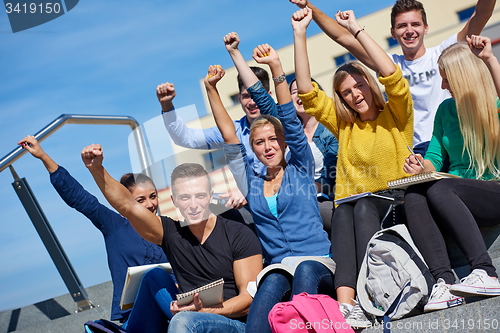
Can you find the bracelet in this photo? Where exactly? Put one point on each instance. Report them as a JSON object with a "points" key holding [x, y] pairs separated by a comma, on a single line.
{"points": [[357, 32], [280, 78]]}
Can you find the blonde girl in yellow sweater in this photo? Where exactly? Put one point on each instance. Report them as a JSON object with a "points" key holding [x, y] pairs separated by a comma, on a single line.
{"points": [[373, 136]]}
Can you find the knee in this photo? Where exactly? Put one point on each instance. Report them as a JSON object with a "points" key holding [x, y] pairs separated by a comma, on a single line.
{"points": [[308, 268], [440, 189], [182, 322], [156, 273], [364, 206]]}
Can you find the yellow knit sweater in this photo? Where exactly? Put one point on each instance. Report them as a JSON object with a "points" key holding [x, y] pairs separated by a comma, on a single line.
{"points": [[371, 153]]}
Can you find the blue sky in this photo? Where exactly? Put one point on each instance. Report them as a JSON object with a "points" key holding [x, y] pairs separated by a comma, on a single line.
{"points": [[106, 58]]}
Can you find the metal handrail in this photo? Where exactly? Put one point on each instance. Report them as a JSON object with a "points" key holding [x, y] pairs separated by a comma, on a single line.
{"points": [[63, 119]]}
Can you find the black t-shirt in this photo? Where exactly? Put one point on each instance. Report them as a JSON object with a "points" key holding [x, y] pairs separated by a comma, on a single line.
{"points": [[196, 264]]}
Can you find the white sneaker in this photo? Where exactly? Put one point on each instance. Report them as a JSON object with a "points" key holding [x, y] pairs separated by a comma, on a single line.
{"points": [[477, 283], [441, 298], [357, 318], [344, 309]]}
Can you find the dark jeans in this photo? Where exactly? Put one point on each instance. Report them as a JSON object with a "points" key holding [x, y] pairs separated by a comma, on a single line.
{"points": [[151, 311], [353, 225], [310, 276], [459, 206]]}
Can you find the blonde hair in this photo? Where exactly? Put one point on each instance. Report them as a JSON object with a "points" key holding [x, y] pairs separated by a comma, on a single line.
{"points": [[344, 111], [475, 96], [264, 120]]}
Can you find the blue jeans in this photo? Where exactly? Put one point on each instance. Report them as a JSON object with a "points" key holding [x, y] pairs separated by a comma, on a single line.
{"points": [[311, 277], [151, 311], [201, 322]]}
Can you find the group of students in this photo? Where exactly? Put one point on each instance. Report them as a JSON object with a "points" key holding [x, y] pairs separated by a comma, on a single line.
{"points": [[282, 155]]}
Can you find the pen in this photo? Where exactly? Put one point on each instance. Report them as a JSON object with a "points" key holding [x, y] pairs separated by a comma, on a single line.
{"points": [[413, 153]]}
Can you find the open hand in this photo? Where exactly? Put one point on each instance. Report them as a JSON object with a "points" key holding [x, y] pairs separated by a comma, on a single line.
{"points": [[235, 199], [197, 305], [92, 155]]}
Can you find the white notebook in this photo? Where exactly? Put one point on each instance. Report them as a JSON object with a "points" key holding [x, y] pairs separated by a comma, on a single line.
{"points": [[420, 178], [133, 280], [211, 294]]}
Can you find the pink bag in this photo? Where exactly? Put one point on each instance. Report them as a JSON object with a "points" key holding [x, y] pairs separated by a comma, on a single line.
{"points": [[308, 314]]}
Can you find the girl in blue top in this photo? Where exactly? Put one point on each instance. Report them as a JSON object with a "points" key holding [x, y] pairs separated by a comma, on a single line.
{"points": [[283, 201], [467, 130], [124, 246]]}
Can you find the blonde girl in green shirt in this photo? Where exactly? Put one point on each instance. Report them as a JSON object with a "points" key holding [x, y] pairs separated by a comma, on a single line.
{"points": [[467, 130]]}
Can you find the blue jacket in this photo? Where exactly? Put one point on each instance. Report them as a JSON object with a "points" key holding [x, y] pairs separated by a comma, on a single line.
{"points": [[124, 246], [298, 229], [323, 138]]}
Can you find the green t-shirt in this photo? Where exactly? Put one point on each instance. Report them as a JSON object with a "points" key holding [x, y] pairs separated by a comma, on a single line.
{"points": [[447, 140]]}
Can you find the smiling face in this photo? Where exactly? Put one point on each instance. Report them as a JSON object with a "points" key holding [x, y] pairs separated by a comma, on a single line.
{"points": [[146, 195], [268, 146], [356, 92], [294, 91], [192, 197], [250, 108], [409, 30], [445, 85]]}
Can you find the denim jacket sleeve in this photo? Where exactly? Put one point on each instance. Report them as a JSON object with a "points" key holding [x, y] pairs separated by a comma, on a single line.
{"points": [[300, 151], [236, 159], [263, 99]]}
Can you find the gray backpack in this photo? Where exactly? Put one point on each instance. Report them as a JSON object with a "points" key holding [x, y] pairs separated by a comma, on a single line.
{"points": [[394, 280]]}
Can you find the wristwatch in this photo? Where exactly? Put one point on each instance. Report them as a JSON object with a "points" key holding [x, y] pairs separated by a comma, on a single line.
{"points": [[280, 78]]}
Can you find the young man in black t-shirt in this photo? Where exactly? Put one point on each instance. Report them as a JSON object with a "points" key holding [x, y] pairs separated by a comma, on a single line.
{"points": [[201, 249]]}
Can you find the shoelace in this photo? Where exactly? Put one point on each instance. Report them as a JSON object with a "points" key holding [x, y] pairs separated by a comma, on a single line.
{"points": [[357, 313], [440, 288], [344, 310], [471, 279]]}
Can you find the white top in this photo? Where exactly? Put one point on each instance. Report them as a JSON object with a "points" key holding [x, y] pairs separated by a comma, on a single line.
{"points": [[425, 86], [318, 159]]}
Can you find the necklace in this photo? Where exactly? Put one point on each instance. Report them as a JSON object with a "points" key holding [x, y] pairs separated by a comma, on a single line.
{"points": [[275, 183]]}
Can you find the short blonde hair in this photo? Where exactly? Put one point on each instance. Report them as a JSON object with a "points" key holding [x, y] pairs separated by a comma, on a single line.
{"points": [[344, 111], [265, 120], [475, 96]]}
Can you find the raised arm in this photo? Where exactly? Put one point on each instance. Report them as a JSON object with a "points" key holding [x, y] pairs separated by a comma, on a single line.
{"points": [[144, 222], [232, 41], [33, 147], [381, 60], [300, 22], [336, 32], [180, 134], [476, 23], [222, 119], [481, 47], [265, 54]]}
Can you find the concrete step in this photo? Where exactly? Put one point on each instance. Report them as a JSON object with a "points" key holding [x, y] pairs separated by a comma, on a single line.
{"points": [[58, 315]]}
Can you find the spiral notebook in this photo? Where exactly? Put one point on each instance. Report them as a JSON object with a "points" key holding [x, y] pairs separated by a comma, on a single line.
{"points": [[210, 294], [420, 178]]}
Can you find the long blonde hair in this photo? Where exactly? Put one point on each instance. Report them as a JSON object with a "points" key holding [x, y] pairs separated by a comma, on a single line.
{"points": [[344, 111], [475, 96]]}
